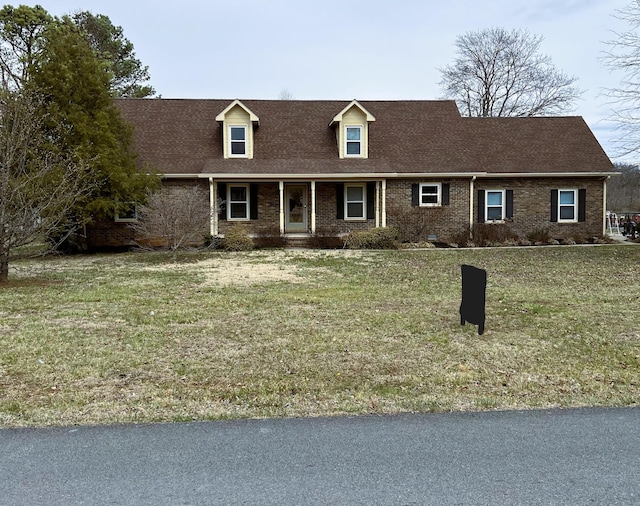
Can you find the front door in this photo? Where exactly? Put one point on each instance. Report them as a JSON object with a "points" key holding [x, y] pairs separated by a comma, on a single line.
{"points": [[295, 202]]}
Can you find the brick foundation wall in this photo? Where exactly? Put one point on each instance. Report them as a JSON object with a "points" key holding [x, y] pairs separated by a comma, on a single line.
{"points": [[105, 235]]}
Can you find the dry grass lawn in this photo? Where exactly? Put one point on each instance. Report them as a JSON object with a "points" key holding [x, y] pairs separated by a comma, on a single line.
{"points": [[139, 337]]}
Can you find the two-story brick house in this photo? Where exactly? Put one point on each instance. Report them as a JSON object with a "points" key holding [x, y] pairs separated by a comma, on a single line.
{"points": [[302, 167]]}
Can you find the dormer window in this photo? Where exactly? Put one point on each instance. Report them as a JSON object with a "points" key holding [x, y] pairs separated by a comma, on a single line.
{"points": [[354, 141], [352, 130], [238, 124], [238, 139]]}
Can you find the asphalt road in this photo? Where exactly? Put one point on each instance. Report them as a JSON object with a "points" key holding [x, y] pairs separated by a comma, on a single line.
{"points": [[537, 457]]}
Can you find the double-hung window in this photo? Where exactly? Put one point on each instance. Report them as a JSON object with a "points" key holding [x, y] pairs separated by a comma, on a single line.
{"points": [[128, 213], [238, 202], [355, 202], [353, 141], [238, 141], [494, 205], [567, 206], [430, 194]]}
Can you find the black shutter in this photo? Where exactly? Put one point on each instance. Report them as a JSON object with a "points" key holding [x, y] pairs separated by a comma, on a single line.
{"points": [[371, 200], [582, 205], [340, 201], [509, 213], [445, 194], [222, 195], [554, 206], [480, 206], [415, 194], [253, 201]]}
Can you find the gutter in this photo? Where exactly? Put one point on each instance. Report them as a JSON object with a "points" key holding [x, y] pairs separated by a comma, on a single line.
{"points": [[385, 175]]}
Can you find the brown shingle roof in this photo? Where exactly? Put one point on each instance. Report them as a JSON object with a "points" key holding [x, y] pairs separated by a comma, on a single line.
{"points": [[294, 137]]}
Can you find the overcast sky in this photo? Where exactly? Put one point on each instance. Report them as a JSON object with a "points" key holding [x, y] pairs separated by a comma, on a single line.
{"points": [[362, 49]]}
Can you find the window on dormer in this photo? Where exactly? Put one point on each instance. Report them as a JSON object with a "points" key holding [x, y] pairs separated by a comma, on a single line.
{"points": [[354, 141], [238, 139]]}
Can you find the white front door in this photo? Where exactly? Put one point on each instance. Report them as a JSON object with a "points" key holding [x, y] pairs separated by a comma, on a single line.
{"points": [[295, 202]]}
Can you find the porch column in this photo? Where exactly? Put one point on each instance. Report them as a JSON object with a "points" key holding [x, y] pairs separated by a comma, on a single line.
{"points": [[383, 188], [313, 207], [213, 208], [378, 203], [281, 190], [604, 206], [472, 189]]}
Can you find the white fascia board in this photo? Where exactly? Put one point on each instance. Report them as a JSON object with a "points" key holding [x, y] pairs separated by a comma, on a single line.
{"points": [[252, 116], [385, 175], [545, 174], [338, 117]]}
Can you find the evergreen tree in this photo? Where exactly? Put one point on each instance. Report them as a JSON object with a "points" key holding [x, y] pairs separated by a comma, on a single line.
{"points": [[75, 87], [112, 48]]}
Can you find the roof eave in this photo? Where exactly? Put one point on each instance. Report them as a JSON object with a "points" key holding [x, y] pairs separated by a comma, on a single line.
{"points": [[385, 175]]}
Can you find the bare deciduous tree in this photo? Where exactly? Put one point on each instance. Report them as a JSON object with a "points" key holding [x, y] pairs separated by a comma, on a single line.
{"points": [[623, 54], [38, 184], [285, 94], [623, 191], [174, 217], [502, 73]]}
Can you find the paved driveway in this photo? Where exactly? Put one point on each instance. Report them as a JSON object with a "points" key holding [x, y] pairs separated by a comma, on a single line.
{"points": [[537, 457]]}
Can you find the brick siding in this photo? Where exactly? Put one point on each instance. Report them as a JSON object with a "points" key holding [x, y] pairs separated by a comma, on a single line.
{"points": [[531, 210], [419, 223], [532, 205]]}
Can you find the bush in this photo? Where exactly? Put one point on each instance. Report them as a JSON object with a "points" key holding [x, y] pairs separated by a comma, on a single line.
{"points": [[326, 238], [375, 238], [539, 236], [460, 239], [414, 224], [493, 234], [270, 237], [173, 217], [237, 238], [212, 241]]}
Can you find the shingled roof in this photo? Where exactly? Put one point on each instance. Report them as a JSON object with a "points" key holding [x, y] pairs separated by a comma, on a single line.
{"points": [[181, 136]]}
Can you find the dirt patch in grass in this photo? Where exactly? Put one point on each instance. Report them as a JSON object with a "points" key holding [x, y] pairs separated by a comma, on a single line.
{"points": [[281, 266]]}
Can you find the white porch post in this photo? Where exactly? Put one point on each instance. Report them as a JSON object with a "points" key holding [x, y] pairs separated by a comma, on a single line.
{"points": [[281, 189], [378, 204], [604, 206], [471, 191], [383, 188], [213, 208], [313, 207]]}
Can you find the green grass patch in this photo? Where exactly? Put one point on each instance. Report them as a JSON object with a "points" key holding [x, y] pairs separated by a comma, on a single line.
{"points": [[149, 337]]}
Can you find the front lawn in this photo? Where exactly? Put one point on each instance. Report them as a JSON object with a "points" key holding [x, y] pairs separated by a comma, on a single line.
{"points": [[139, 337]]}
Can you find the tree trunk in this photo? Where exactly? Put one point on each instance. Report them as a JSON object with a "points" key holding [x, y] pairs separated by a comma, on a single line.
{"points": [[4, 269]]}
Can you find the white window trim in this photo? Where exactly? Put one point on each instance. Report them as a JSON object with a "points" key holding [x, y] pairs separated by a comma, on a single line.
{"points": [[347, 141], [438, 203], [347, 202], [246, 142], [118, 219], [487, 206], [246, 202], [574, 205]]}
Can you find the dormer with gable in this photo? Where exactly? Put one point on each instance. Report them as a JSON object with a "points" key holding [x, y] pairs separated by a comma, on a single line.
{"points": [[238, 123], [352, 130]]}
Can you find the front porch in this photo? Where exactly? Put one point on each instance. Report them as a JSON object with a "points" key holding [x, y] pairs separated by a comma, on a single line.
{"points": [[298, 208]]}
